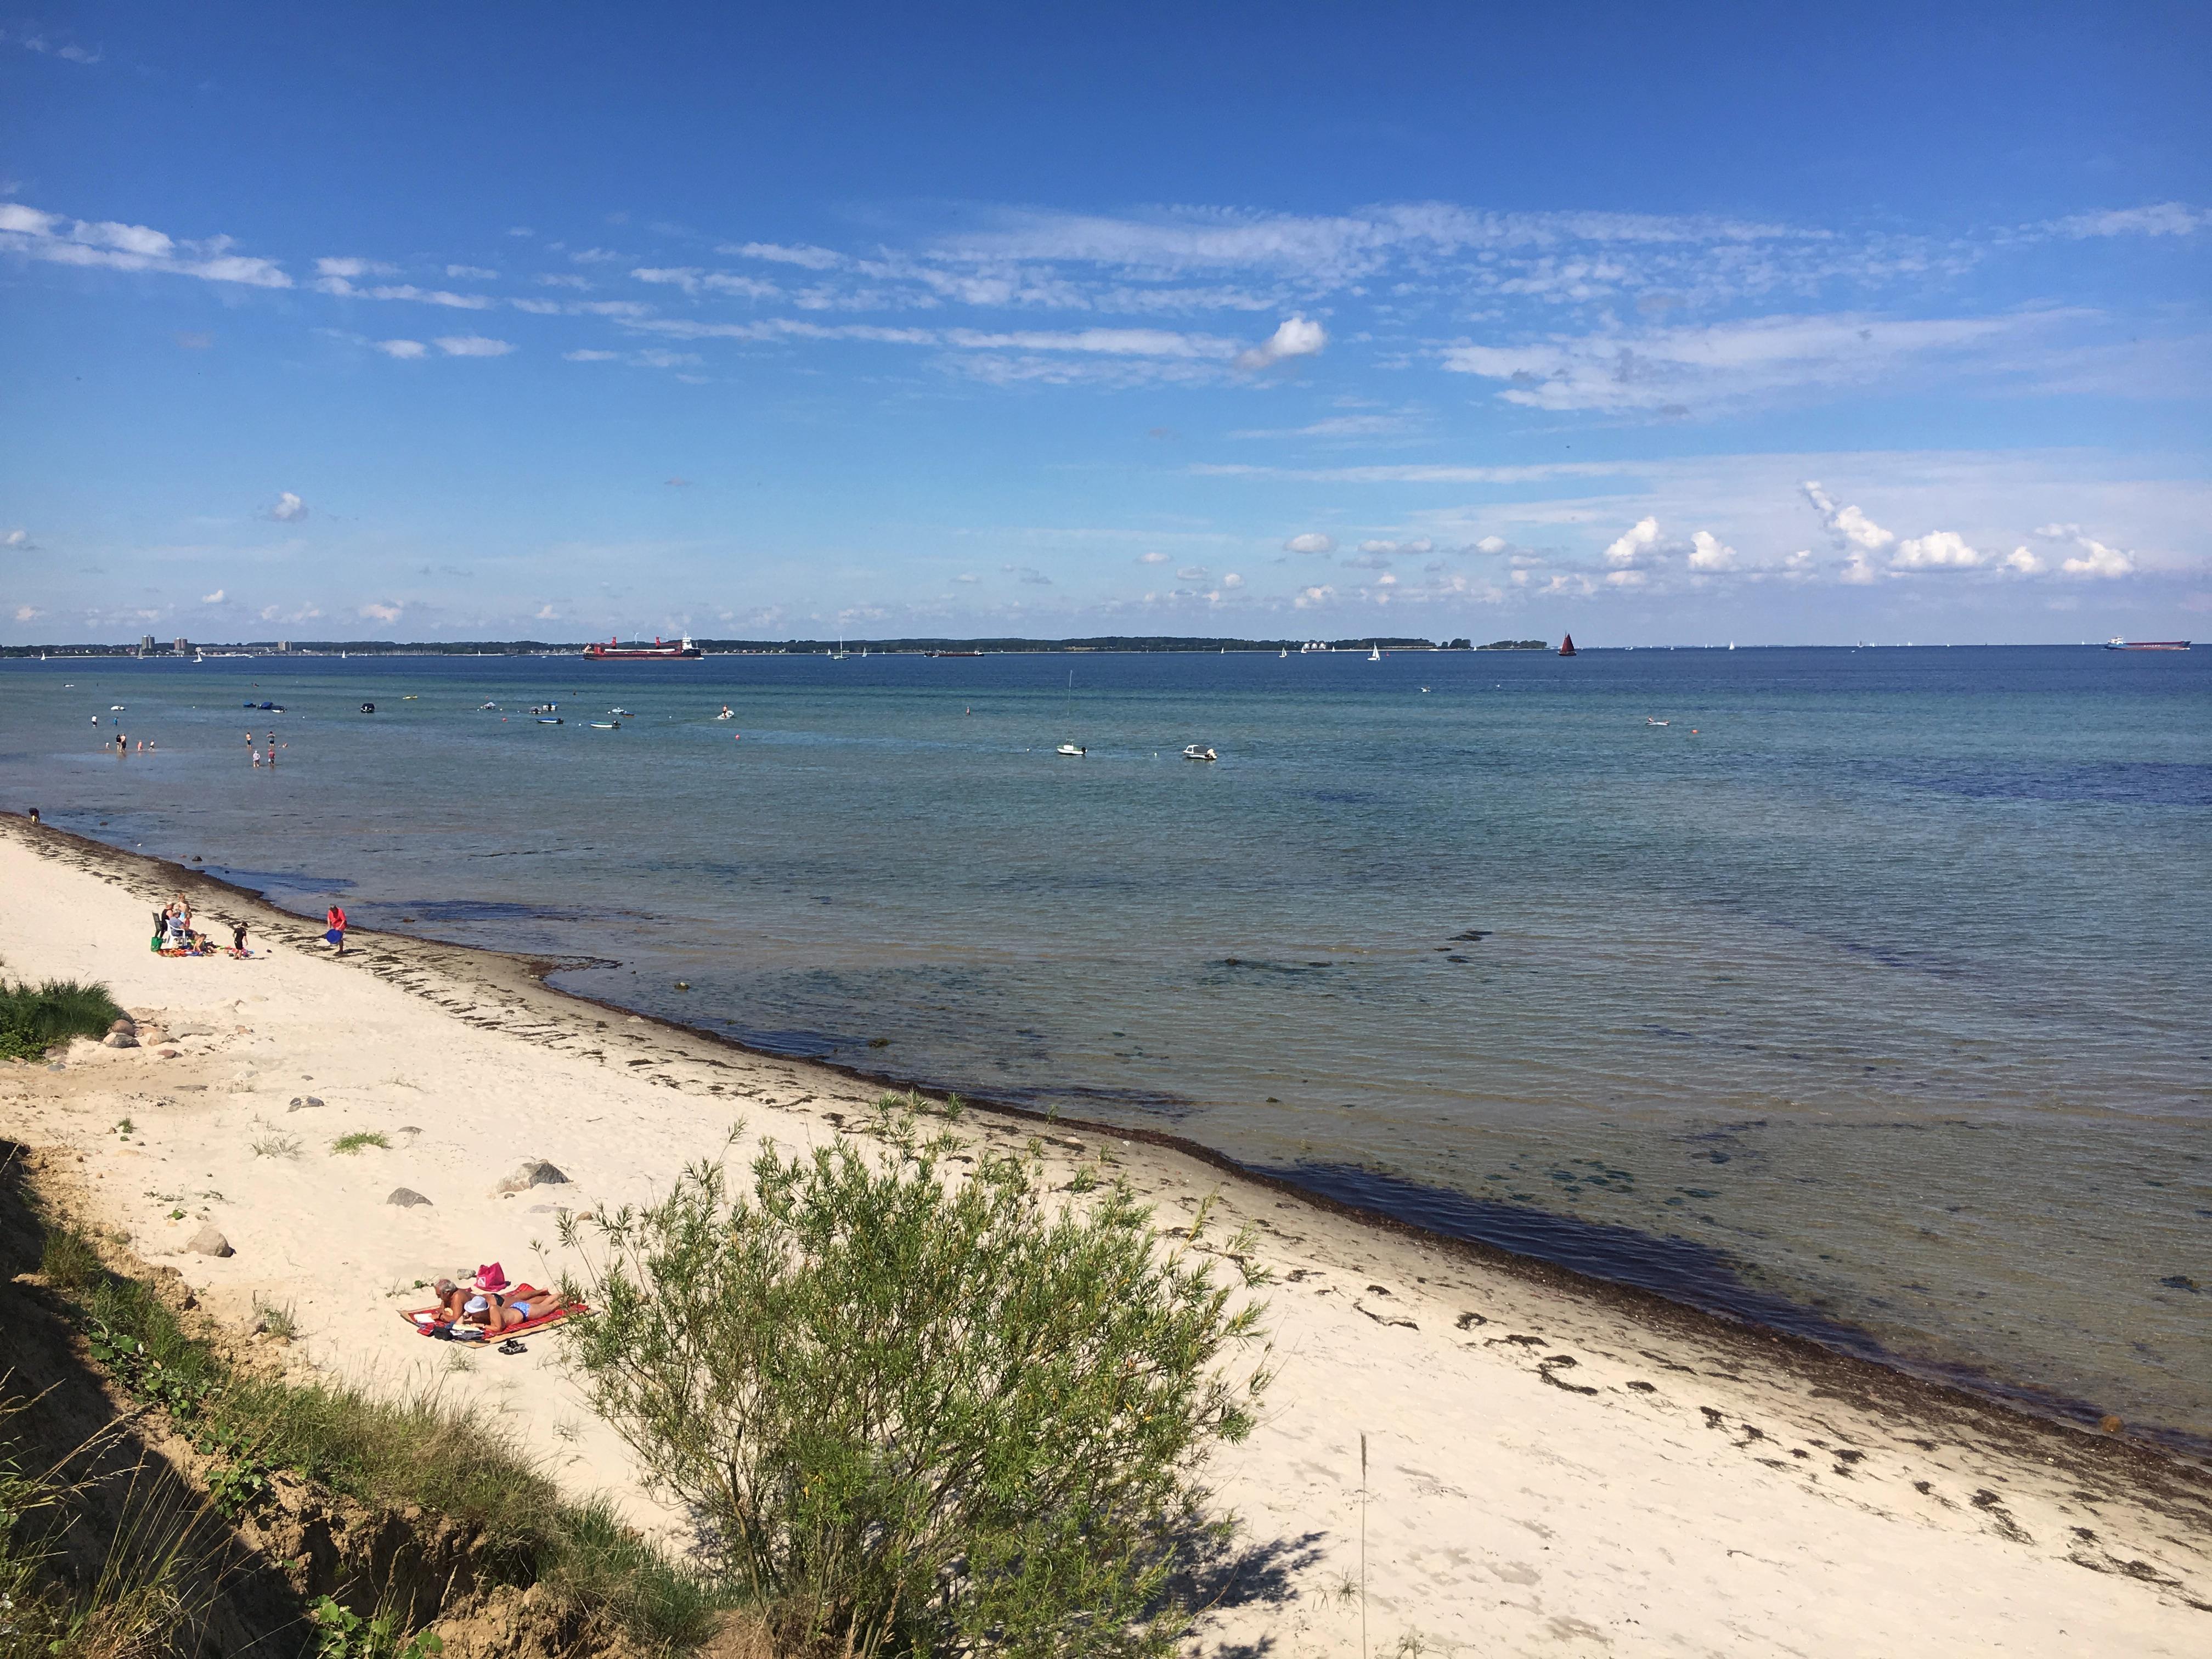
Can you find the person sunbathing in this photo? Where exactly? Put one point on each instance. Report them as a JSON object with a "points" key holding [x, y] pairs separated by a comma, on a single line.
{"points": [[496, 1314]]}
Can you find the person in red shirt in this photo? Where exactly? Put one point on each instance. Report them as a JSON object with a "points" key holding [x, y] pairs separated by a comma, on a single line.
{"points": [[334, 923]]}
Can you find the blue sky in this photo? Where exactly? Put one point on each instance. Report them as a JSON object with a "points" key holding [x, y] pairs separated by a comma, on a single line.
{"points": [[1656, 324]]}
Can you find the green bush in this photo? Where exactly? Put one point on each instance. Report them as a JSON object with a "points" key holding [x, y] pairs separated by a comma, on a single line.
{"points": [[34, 1017], [920, 1415]]}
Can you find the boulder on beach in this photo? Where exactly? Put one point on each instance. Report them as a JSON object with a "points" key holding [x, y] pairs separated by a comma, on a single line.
{"points": [[531, 1172], [125, 1023], [209, 1242], [120, 1040], [406, 1198]]}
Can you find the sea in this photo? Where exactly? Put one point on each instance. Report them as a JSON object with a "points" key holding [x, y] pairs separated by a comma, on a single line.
{"points": [[1866, 994]]}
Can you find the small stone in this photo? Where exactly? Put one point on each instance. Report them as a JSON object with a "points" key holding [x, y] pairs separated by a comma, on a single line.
{"points": [[531, 1172], [125, 1023], [302, 1102], [209, 1242], [406, 1198], [169, 1053], [2111, 1425], [120, 1040]]}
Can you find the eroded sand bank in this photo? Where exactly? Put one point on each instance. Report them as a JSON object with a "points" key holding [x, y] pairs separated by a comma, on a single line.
{"points": [[1555, 1467]]}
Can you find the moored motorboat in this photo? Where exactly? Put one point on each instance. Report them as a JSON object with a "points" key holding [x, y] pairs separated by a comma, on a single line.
{"points": [[1193, 751]]}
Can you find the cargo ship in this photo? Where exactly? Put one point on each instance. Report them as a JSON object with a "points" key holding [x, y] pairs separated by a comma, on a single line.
{"points": [[660, 650], [2116, 643]]}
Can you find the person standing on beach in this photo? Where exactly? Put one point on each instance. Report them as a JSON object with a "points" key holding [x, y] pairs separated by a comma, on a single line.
{"points": [[334, 922]]}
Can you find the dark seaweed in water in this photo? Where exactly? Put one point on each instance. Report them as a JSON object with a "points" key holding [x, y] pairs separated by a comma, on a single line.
{"points": [[1679, 1269], [2132, 783]]}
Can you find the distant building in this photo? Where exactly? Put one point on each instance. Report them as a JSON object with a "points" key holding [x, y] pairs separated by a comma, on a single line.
{"points": [[283, 645], [145, 643], [184, 646]]}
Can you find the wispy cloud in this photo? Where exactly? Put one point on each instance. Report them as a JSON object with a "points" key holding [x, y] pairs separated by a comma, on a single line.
{"points": [[1671, 370], [472, 345]]}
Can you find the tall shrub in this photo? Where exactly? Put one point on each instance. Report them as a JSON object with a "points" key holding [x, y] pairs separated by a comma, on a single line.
{"points": [[921, 1412]]}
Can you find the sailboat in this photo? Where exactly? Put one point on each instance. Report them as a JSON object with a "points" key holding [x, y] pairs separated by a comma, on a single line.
{"points": [[1071, 749], [1374, 653], [1567, 646], [1285, 651], [838, 655]]}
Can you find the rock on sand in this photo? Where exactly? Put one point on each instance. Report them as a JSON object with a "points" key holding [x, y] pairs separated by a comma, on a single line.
{"points": [[531, 1172], [209, 1242], [406, 1198]]}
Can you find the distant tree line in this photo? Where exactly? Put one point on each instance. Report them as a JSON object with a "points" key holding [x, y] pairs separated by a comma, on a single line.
{"points": [[527, 648]]}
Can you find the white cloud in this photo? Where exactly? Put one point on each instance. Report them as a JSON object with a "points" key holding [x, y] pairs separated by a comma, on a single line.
{"points": [[1312, 541], [812, 258], [1296, 337], [2163, 219], [968, 576], [472, 345], [289, 508], [383, 613], [1412, 549], [1152, 558], [471, 273], [1192, 572], [1625, 578], [40, 235], [402, 349], [1309, 597], [1232, 580], [692, 280], [342, 288], [27, 613], [588, 355], [1632, 542], [351, 267], [215, 598], [1939, 549], [1709, 552], [545, 613], [19, 541], [2025, 562], [2095, 559], [658, 358], [564, 279]]}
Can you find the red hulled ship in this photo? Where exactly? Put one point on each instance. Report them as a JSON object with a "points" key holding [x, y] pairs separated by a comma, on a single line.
{"points": [[660, 650]]}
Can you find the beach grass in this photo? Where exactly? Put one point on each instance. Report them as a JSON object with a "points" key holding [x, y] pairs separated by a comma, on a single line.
{"points": [[359, 1139], [35, 1017], [419, 1449]]}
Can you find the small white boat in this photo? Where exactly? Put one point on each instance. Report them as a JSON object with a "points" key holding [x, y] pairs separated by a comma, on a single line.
{"points": [[1285, 651], [1648, 720], [482, 706], [622, 713], [1069, 749], [115, 708], [1374, 653], [606, 725], [549, 719], [1192, 751]]}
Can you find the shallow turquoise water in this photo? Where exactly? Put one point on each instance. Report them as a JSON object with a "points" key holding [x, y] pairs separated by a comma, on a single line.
{"points": [[1874, 1006]]}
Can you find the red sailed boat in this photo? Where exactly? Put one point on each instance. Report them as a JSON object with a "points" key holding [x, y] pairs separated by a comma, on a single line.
{"points": [[1567, 646], [660, 650]]}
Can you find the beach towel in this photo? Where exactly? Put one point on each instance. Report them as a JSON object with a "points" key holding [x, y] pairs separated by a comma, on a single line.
{"points": [[427, 1322]]}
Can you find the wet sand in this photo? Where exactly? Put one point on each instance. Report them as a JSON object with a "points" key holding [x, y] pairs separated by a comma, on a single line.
{"points": [[1556, 1464]]}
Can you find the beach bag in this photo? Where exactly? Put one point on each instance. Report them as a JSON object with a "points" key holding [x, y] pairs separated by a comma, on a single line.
{"points": [[491, 1277]]}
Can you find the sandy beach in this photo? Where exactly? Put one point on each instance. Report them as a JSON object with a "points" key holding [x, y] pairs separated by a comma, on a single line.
{"points": [[1554, 1466]]}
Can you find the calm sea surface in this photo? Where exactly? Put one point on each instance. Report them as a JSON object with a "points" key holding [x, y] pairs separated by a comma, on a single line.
{"points": [[1870, 997]]}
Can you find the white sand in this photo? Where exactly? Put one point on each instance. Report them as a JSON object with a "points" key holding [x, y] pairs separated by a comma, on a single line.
{"points": [[1555, 1468]]}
